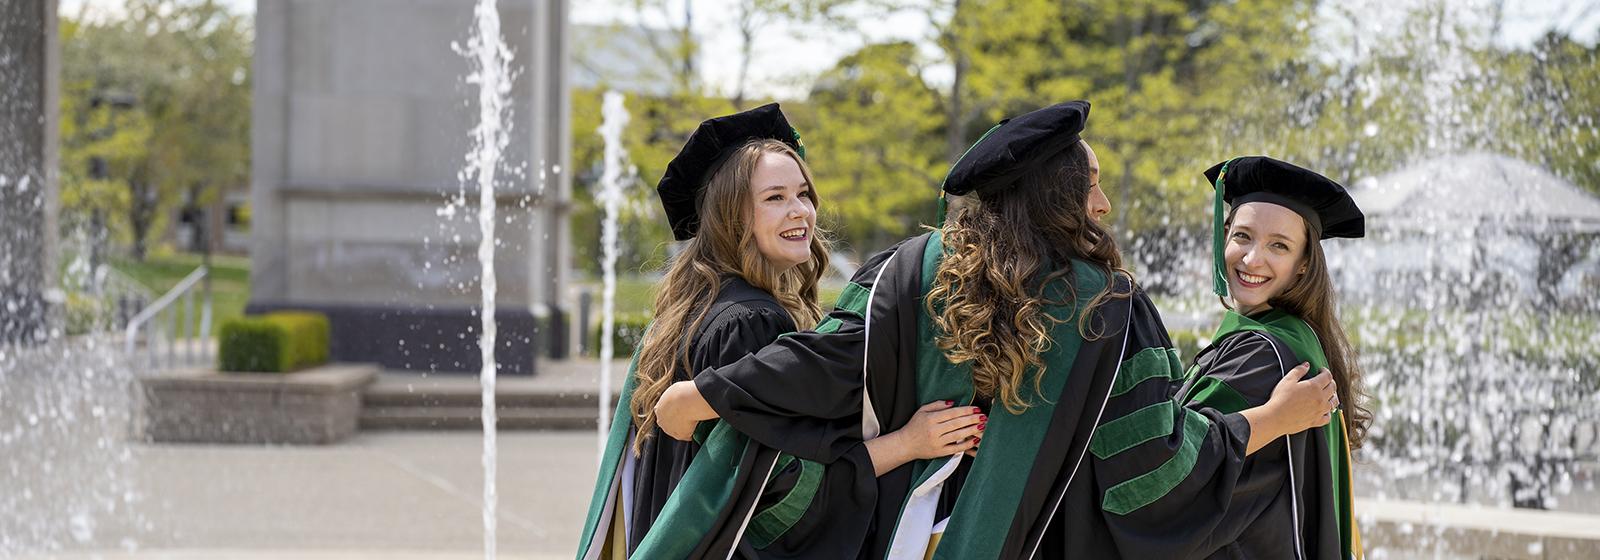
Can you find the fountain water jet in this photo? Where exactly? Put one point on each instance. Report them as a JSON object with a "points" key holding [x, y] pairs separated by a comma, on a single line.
{"points": [[616, 176], [493, 76]]}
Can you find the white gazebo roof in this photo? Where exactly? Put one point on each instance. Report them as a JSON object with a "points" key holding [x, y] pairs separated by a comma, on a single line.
{"points": [[1476, 187]]}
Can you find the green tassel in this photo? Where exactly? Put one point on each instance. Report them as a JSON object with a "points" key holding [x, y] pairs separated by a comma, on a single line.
{"points": [[799, 147], [1219, 276]]}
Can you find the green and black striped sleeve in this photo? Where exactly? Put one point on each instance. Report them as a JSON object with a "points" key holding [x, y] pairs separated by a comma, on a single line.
{"points": [[1171, 473]]}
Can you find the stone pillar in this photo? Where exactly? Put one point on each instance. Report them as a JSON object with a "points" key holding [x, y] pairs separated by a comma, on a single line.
{"points": [[29, 100], [269, 122], [553, 125], [362, 122]]}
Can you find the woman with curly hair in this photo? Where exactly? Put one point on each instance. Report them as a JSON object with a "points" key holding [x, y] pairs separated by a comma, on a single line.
{"points": [[1016, 305]]}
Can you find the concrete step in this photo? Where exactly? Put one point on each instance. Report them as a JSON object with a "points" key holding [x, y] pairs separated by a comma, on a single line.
{"points": [[561, 397], [470, 418]]}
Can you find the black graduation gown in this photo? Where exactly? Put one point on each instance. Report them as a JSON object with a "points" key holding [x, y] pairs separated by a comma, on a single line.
{"points": [[873, 348], [800, 508], [742, 320], [1286, 496]]}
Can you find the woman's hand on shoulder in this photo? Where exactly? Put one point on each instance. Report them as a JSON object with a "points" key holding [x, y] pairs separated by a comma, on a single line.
{"points": [[1299, 404], [1296, 405]]}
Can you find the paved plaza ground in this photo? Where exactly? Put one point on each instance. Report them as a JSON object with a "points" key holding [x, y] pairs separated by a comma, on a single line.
{"points": [[373, 496], [88, 492], [418, 495]]}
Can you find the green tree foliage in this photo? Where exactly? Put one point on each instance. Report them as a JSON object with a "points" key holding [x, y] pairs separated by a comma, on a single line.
{"points": [[657, 128], [874, 136], [1177, 85], [160, 92]]}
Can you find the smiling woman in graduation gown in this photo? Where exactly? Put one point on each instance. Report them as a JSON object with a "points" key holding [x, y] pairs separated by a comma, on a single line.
{"points": [[1076, 449], [1268, 257], [732, 291]]}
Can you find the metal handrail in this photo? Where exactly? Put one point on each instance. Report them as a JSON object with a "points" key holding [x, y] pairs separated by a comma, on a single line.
{"points": [[117, 281], [147, 316]]}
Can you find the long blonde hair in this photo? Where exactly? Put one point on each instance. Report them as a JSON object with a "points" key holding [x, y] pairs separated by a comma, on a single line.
{"points": [[1002, 251], [723, 246]]}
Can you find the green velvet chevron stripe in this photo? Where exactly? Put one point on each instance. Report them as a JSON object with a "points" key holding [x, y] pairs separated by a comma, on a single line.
{"points": [[1151, 422], [853, 299], [1144, 489], [1139, 426], [1215, 393], [1150, 363], [826, 326], [771, 523]]}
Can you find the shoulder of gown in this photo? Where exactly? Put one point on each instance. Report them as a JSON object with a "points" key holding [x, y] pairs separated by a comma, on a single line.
{"points": [[1249, 363], [742, 320]]}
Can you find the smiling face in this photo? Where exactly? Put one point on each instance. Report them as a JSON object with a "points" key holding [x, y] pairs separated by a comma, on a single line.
{"points": [[1265, 254], [784, 214]]}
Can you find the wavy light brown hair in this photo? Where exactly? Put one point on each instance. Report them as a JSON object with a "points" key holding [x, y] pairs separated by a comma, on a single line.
{"points": [[722, 246], [1003, 248], [1310, 296]]}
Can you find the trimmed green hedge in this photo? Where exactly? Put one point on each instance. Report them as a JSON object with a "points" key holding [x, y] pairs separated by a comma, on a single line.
{"points": [[277, 342]]}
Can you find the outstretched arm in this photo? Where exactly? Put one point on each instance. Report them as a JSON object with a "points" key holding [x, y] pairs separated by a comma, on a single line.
{"points": [[801, 395]]}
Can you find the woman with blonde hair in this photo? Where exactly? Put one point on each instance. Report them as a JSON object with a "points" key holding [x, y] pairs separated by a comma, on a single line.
{"points": [[741, 197]]}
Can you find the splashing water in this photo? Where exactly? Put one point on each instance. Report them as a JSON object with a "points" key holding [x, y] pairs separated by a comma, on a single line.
{"points": [[66, 462], [491, 58], [617, 175], [1471, 302]]}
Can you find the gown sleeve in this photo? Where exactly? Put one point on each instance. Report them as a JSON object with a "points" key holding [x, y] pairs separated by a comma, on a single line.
{"points": [[1170, 459], [803, 394], [806, 509]]}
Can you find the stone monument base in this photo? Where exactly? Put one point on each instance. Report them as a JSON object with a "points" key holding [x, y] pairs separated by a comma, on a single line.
{"points": [[438, 339], [315, 406]]}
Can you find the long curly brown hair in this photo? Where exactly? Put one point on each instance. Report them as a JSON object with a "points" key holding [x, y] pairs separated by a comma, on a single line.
{"points": [[1003, 248], [723, 246], [1311, 297]]}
